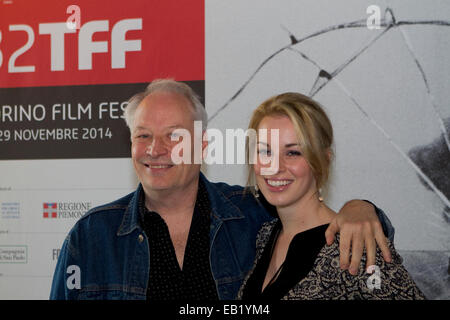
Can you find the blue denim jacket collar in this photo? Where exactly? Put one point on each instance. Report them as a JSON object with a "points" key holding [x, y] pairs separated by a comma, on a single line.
{"points": [[130, 220], [222, 208]]}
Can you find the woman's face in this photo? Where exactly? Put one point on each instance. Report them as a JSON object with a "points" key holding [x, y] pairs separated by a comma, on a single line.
{"points": [[292, 178]]}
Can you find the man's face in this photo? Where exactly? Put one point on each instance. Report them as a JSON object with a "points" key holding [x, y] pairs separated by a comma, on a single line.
{"points": [[155, 120]]}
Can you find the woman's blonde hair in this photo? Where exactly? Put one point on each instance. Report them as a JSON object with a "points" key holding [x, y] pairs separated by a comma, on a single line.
{"points": [[314, 130]]}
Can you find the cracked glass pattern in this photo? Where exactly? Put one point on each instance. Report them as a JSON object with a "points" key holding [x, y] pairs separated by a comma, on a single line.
{"points": [[385, 90]]}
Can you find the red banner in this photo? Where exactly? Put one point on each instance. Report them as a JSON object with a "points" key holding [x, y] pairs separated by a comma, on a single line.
{"points": [[67, 69], [66, 42]]}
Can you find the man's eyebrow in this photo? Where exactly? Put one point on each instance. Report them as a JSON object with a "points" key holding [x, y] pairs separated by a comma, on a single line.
{"points": [[169, 127]]}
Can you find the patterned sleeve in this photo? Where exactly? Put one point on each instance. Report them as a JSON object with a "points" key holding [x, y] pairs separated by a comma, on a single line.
{"points": [[388, 281], [326, 281]]}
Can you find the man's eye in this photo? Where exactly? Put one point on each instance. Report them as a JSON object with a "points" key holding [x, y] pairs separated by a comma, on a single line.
{"points": [[264, 152]]}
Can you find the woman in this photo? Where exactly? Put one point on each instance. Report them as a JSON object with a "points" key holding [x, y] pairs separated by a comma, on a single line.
{"points": [[292, 259]]}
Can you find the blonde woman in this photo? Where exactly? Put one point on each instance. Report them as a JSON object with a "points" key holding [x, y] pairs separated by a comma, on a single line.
{"points": [[292, 259]]}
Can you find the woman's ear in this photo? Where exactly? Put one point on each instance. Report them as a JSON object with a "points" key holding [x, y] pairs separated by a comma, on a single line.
{"points": [[329, 153]]}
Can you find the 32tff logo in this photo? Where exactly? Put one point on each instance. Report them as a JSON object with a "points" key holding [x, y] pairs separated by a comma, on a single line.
{"points": [[87, 47]]}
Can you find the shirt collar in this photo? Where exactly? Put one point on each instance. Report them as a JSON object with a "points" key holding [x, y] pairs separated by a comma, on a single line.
{"points": [[222, 207]]}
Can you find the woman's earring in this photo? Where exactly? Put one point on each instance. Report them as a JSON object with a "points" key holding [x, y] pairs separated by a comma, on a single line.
{"points": [[256, 191], [320, 195]]}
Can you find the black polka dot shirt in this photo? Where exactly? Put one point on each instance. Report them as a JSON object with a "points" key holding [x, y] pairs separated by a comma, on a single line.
{"points": [[166, 280]]}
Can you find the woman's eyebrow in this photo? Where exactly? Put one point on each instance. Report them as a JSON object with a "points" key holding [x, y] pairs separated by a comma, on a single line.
{"points": [[292, 145]]}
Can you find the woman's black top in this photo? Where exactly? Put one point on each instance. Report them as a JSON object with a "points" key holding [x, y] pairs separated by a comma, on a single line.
{"points": [[300, 257]]}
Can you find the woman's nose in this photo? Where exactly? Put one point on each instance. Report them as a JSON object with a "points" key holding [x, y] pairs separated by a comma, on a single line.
{"points": [[274, 166]]}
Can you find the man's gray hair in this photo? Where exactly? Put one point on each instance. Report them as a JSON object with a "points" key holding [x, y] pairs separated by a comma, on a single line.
{"points": [[170, 86]]}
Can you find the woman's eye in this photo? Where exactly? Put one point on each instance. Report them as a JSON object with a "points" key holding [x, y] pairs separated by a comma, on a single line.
{"points": [[293, 153]]}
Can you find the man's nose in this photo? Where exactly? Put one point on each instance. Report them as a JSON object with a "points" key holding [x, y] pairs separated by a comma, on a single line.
{"points": [[157, 148]]}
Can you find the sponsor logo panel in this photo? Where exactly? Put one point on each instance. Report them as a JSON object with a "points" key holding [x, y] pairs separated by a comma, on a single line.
{"points": [[10, 210], [13, 254]]}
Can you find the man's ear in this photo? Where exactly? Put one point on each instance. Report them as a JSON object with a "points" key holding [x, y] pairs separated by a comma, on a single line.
{"points": [[204, 144]]}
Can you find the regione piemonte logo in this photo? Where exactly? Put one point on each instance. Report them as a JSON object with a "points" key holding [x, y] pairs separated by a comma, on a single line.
{"points": [[50, 210], [65, 210]]}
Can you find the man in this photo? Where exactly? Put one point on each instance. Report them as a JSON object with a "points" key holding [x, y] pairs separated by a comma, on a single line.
{"points": [[179, 236]]}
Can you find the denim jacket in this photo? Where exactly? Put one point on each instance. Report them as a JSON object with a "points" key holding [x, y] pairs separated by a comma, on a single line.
{"points": [[106, 254]]}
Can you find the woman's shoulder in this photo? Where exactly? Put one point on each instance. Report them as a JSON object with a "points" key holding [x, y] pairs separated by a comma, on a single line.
{"points": [[385, 280]]}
